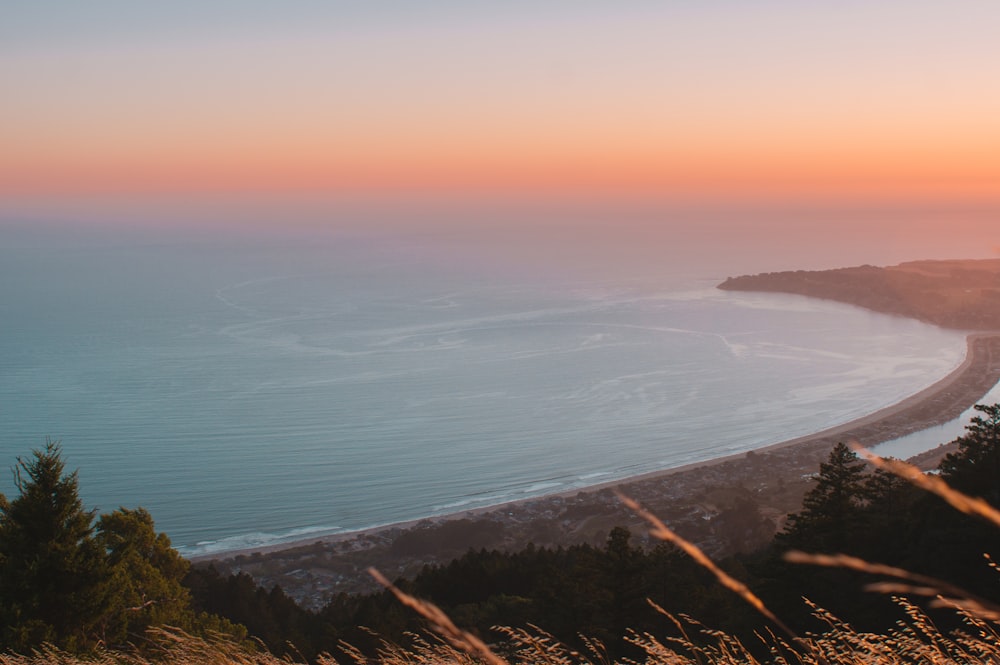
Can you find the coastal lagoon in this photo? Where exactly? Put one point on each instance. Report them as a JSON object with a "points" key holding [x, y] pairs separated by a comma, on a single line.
{"points": [[260, 391]]}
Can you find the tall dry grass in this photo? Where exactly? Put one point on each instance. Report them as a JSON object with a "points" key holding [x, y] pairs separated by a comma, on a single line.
{"points": [[914, 641], [684, 642]]}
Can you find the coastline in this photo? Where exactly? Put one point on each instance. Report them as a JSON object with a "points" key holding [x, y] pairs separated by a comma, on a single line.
{"points": [[773, 476]]}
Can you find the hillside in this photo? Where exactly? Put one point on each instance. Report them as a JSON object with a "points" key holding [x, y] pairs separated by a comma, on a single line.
{"points": [[962, 294]]}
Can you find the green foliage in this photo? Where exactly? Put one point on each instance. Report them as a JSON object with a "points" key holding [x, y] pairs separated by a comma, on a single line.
{"points": [[145, 573], [54, 583], [269, 615], [65, 583]]}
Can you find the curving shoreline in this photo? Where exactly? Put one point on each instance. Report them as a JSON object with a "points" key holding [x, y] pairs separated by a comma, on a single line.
{"points": [[689, 495]]}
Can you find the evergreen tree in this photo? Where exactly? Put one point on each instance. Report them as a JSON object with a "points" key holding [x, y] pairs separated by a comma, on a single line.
{"points": [[834, 519], [53, 576], [830, 509], [146, 575], [949, 544], [886, 524], [975, 467]]}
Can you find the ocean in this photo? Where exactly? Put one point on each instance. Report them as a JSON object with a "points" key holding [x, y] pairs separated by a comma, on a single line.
{"points": [[256, 391]]}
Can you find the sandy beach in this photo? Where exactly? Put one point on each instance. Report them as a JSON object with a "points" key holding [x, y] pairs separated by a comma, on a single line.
{"points": [[704, 501]]}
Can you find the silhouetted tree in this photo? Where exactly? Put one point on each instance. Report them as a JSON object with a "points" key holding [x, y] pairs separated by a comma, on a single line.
{"points": [[975, 467], [885, 525], [832, 520], [949, 544], [828, 520]]}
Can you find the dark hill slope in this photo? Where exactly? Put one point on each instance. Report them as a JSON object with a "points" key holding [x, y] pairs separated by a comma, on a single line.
{"points": [[963, 294]]}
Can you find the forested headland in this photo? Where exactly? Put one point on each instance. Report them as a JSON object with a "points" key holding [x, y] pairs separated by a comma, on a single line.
{"points": [[99, 584], [962, 294]]}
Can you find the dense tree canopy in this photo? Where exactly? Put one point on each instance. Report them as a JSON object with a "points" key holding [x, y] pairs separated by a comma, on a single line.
{"points": [[53, 577], [145, 574], [943, 539], [975, 467], [65, 582]]}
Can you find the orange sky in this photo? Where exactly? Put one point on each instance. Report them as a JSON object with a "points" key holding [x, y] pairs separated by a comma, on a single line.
{"points": [[776, 100]]}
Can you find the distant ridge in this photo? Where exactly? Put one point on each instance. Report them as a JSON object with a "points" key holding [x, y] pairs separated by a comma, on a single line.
{"points": [[962, 294]]}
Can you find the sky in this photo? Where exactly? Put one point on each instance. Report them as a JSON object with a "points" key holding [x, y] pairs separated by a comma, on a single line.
{"points": [[769, 97]]}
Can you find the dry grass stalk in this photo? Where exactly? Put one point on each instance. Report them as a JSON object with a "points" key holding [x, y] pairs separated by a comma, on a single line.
{"points": [[961, 502], [534, 645], [422, 652], [178, 646], [441, 623], [680, 627], [965, 604], [172, 647], [916, 642], [663, 532], [726, 650], [947, 595]]}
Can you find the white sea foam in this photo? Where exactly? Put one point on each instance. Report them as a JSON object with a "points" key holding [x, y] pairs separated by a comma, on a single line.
{"points": [[539, 488], [471, 502], [256, 539]]}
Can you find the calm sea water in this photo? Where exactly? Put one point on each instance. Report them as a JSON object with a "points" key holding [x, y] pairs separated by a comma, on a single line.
{"points": [[248, 394]]}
